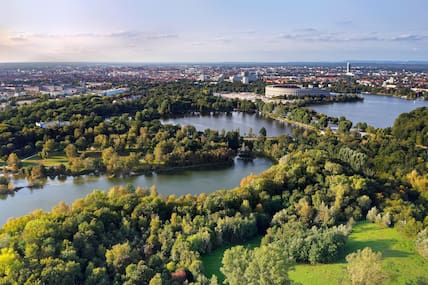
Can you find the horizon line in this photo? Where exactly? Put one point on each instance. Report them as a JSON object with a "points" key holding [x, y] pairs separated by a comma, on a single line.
{"points": [[220, 62]]}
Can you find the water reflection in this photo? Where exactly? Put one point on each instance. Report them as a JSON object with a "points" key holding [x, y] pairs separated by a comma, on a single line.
{"points": [[233, 121]]}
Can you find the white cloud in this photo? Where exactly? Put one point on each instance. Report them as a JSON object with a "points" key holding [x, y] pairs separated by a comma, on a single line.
{"points": [[133, 45], [312, 35]]}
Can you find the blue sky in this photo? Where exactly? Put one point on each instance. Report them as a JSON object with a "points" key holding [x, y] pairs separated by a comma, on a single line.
{"points": [[213, 31]]}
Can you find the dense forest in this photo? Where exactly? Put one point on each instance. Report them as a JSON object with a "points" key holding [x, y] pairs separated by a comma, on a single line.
{"points": [[303, 207], [18, 132]]}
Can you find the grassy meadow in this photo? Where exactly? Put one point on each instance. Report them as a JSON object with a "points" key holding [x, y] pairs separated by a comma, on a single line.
{"points": [[400, 260], [55, 159]]}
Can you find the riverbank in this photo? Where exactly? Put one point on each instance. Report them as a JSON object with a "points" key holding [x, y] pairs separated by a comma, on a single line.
{"points": [[294, 123], [203, 166], [404, 97], [347, 98]]}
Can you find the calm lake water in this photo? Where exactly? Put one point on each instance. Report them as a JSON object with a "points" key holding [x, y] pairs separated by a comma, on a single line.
{"points": [[231, 122], [377, 111], [193, 181]]}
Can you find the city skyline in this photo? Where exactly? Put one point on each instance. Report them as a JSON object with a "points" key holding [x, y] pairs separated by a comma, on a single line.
{"points": [[212, 31]]}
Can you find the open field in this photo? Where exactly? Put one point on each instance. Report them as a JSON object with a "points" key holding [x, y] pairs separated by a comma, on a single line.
{"points": [[402, 263], [56, 158]]}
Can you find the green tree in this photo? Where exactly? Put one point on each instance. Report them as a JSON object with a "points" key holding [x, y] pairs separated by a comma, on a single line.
{"points": [[101, 141], [159, 152], [48, 147], [164, 107], [71, 151], [38, 171], [81, 143], [365, 268], [262, 132], [345, 126], [10, 265], [112, 161], [235, 262], [119, 257], [13, 162], [97, 275], [156, 280], [57, 271], [138, 274], [266, 265]]}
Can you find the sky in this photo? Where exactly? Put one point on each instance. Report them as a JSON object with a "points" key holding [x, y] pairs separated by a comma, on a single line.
{"points": [[212, 30]]}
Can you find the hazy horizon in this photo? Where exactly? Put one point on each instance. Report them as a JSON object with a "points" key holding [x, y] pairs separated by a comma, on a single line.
{"points": [[339, 62], [220, 31]]}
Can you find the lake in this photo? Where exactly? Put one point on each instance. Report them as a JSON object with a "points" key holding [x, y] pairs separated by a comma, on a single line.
{"points": [[233, 121], [377, 111], [180, 182]]}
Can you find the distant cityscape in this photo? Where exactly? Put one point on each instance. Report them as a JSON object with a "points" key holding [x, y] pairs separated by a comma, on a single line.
{"points": [[24, 82]]}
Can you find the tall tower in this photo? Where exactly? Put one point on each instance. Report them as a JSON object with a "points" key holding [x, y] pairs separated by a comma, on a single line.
{"points": [[348, 67]]}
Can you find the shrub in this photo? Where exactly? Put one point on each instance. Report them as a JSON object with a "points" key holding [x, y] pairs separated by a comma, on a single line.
{"points": [[372, 214], [421, 243], [364, 267]]}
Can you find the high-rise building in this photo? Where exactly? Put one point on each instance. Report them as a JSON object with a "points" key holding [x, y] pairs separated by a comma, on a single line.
{"points": [[348, 67]]}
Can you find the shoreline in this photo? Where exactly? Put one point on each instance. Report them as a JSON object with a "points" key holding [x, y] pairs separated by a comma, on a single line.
{"points": [[291, 122], [394, 96], [166, 170]]}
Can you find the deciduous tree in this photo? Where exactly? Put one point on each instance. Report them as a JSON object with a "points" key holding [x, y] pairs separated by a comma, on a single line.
{"points": [[364, 267]]}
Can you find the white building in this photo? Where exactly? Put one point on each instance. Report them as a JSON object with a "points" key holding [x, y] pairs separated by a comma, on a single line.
{"points": [[112, 92], [272, 91], [245, 77], [52, 124], [348, 69]]}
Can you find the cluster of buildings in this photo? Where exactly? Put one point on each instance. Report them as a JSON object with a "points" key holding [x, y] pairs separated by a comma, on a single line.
{"points": [[245, 77], [57, 79], [25, 90], [394, 79]]}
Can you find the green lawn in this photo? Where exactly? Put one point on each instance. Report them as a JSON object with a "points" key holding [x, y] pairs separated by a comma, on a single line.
{"points": [[56, 158], [212, 261], [400, 260]]}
